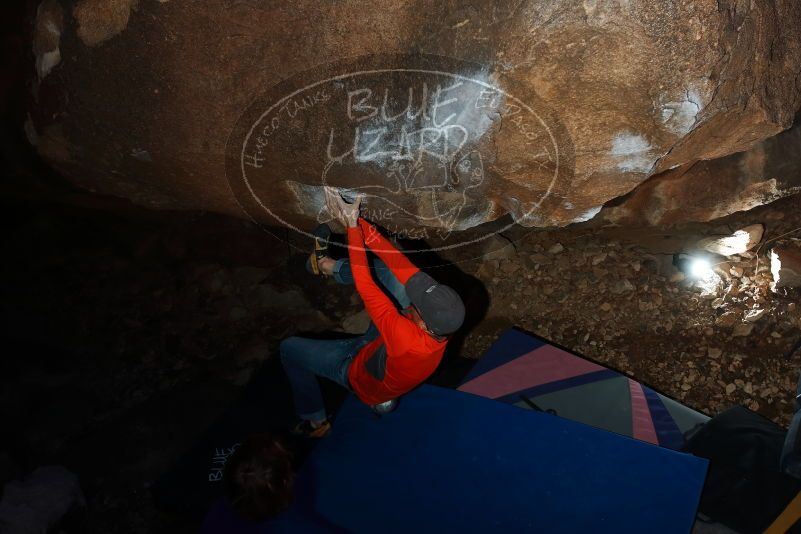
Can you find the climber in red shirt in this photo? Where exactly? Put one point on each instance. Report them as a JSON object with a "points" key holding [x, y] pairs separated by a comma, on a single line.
{"points": [[406, 337]]}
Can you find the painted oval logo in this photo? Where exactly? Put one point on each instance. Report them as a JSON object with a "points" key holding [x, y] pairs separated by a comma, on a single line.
{"points": [[433, 145]]}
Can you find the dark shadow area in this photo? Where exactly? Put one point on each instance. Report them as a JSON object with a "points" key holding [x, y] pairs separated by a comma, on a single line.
{"points": [[129, 333]]}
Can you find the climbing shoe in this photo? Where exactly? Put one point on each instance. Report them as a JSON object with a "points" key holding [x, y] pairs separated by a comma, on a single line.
{"points": [[384, 407], [307, 430], [321, 234]]}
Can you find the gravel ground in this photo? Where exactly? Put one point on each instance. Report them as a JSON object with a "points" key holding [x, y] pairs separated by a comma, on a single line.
{"points": [[614, 296]]}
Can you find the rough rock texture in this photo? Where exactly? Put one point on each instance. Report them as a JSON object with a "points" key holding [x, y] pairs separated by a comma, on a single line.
{"points": [[785, 264], [451, 114], [46, 36], [740, 241], [100, 20], [706, 190]]}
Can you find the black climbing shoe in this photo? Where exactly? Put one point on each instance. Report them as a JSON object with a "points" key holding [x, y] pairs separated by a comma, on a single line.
{"points": [[322, 234]]}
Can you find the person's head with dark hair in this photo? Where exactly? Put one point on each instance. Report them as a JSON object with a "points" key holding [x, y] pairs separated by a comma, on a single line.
{"points": [[258, 477]]}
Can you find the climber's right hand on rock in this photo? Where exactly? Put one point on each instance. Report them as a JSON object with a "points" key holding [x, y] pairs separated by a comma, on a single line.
{"points": [[346, 214]]}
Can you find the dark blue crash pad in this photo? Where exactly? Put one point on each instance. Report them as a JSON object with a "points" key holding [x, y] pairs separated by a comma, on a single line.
{"points": [[447, 461]]}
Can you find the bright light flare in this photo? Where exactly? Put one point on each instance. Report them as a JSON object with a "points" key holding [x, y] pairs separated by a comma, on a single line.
{"points": [[704, 275], [700, 268]]}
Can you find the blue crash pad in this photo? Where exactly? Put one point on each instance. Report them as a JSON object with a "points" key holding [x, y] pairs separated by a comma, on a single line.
{"points": [[447, 461]]}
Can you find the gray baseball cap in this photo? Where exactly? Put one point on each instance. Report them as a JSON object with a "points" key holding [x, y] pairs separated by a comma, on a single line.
{"points": [[439, 305]]}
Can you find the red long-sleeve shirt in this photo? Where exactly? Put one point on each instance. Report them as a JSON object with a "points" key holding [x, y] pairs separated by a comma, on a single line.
{"points": [[403, 355]]}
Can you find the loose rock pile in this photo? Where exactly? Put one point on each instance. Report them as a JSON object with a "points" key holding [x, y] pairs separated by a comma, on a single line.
{"points": [[711, 342]]}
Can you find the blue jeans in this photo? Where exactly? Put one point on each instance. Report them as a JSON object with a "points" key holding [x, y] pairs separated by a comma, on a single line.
{"points": [[305, 359]]}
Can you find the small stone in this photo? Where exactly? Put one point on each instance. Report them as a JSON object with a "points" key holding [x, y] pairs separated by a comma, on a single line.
{"points": [[539, 259], [636, 266], [556, 249], [708, 331], [730, 389], [487, 269], [755, 315], [714, 353], [722, 269], [734, 289], [599, 258], [775, 335], [727, 320], [606, 307], [677, 277], [622, 286], [739, 242], [498, 247], [510, 267], [763, 268], [742, 330]]}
